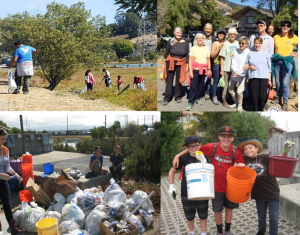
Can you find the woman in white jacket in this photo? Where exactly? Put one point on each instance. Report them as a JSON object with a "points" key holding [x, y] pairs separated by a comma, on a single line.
{"points": [[238, 75]]}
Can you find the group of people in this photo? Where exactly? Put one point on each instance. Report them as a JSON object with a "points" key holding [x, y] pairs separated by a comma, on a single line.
{"points": [[222, 156], [116, 159], [90, 81], [244, 64]]}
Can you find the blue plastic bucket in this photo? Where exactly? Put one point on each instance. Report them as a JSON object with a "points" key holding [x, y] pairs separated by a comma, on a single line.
{"points": [[48, 168]]}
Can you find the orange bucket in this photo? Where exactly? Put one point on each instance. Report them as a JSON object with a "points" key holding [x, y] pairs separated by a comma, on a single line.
{"points": [[25, 196], [27, 158], [239, 183]]}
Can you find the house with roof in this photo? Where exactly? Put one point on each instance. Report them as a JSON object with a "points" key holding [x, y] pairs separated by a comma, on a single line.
{"points": [[275, 131], [244, 20]]}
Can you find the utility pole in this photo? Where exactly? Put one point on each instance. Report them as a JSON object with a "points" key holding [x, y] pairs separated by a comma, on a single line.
{"points": [[152, 121], [67, 126], [105, 125], [144, 123], [23, 137]]}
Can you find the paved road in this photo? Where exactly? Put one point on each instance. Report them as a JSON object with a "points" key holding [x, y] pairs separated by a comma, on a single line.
{"points": [[174, 106], [244, 219]]}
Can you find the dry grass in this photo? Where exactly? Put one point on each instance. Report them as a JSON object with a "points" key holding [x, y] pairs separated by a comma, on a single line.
{"points": [[133, 99]]}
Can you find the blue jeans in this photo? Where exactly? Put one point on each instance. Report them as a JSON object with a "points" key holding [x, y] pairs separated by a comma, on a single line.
{"points": [[5, 198], [282, 77], [262, 216], [216, 91]]}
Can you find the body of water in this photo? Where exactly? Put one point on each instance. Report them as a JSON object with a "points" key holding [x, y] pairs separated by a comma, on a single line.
{"points": [[133, 65]]}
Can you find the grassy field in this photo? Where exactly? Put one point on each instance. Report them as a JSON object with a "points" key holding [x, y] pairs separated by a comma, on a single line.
{"points": [[135, 99]]}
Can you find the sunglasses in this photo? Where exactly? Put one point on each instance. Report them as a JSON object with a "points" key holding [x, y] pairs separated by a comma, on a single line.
{"points": [[285, 25], [260, 26], [3, 130], [242, 43]]}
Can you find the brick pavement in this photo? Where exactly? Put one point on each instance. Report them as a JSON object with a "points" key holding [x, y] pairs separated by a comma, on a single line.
{"points": [[244, 219]]}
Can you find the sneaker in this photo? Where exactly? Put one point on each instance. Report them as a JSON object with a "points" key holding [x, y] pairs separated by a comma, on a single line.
{"points": [[178, 100], [198, 102], [206, 96], [165, 102], [25, 93], [225, 103], [240, 108], [228, 233], [285, 106], [232, 106], [215, 100], [16, 92], [189, 107]]}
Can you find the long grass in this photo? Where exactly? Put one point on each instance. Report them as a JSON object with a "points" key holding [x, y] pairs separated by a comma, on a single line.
{"points": [[135, 99]]}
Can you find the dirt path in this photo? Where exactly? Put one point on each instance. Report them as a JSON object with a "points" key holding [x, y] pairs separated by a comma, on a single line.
{"points": [[40, 99]]}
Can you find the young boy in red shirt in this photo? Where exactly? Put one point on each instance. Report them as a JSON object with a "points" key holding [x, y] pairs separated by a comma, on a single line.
{"points": [[119, 82], [137, 80], [223, 155]]}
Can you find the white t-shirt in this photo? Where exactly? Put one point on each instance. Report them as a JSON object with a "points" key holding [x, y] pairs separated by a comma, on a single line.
{"points": [[227, 52]]}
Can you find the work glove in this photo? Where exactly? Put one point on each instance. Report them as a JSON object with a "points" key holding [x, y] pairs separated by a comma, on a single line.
{"points": [[172, 189], [287, 146]]}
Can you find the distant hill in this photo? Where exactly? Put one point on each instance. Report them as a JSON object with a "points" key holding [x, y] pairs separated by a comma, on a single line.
{"points": [[223, 5]]}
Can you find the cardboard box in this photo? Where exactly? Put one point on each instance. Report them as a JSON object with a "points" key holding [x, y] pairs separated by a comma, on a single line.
{"points": [[106, 231], [39, 194]]}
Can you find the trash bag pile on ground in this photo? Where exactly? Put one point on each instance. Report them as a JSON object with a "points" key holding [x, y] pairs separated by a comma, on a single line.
{"points": [[82, 212]]}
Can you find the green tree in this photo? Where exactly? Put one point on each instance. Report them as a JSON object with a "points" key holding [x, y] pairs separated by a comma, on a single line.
{"points": [[178, 14], [123, 47], [111, 132], [101, 132], [116, 126], [3, 123], [65, 38], [137, 6], [251, 125], [143, 128], [94, 133], [171, 137], [128, 23], [44, 131], [131, 129], [16, 130], [157, 125]]}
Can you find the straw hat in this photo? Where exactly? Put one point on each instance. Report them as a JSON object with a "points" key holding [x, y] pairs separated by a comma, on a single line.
{"points": [[255, 142]]}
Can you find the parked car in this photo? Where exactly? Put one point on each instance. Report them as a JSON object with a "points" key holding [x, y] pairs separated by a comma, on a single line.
{"points": [[187, 37], [165, 37]]}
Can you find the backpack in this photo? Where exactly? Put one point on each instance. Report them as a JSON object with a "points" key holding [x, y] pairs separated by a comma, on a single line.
{"points": [[232, 156], [87, 79]]}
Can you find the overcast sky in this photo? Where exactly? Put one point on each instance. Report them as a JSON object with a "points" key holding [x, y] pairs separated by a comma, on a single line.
{"points": [[76, 120], [105, 8], [289, 121]]}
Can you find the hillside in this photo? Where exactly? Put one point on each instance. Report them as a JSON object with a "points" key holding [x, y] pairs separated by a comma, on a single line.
{"points": [[223, 5]]}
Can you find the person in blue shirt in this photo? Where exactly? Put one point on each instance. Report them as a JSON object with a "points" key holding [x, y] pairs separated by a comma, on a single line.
{"points": [[96, 162], [23, 57], [258, 64]]}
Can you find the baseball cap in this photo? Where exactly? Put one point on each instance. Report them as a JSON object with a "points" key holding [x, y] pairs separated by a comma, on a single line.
{"points": [[255, 142], [222, 30], [191, 139], [226, 130], [260, 22]]}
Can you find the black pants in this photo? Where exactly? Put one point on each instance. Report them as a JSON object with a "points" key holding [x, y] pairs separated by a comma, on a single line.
{"points": [[117, 172], [5, 199], [89, 86], [258, 89], [197, 84], [169, 86]]}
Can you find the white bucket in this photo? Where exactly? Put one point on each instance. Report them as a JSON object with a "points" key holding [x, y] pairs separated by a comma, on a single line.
{"points": [[200, 181]]}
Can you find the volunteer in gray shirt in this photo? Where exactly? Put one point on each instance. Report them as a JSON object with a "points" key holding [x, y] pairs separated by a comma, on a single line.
{"points": [[5, 175], [23, 57]]}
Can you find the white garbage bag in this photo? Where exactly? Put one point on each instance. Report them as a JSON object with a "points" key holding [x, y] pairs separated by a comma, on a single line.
{"points": [[66, 227], [88, 200], [138, 196], [59, 206], [130, 204], [18, 216], [136, 221], [11, 81], [30, 218], [115, 208], [72, 211], [78, 232], [93, 220], [114, 196], [54, 214], [59, 198], [84, 89], [148, 218]]}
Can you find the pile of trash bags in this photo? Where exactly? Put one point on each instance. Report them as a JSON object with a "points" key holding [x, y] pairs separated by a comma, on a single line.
{"points": [[81, 212]]}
